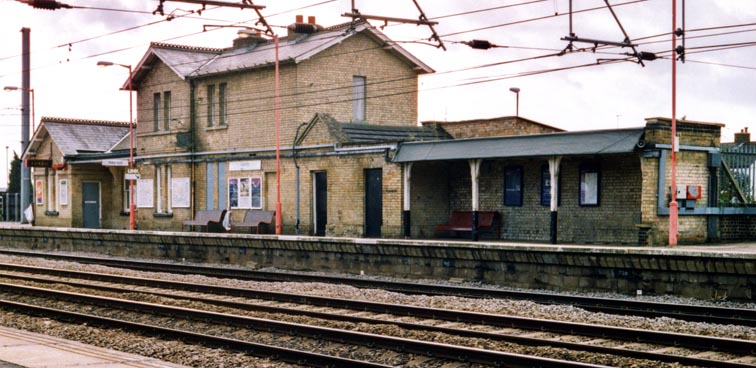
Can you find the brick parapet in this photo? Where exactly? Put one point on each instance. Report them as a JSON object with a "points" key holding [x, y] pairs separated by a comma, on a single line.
{"points": [[576, 268]]}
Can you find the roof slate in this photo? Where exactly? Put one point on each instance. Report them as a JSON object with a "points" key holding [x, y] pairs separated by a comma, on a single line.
{"points": [[187, 61], [555, 144], [365, 133], [75, 137]]}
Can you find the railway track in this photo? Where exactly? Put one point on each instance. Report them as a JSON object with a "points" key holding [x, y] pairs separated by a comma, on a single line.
{"points": [[598, 335], [685, 312], [439, 353]]}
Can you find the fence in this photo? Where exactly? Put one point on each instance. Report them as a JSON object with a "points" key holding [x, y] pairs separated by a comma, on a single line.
{"points": [[737, 177]]}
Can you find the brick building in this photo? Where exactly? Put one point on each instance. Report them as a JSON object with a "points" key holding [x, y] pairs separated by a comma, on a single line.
{"points": [[354, 162], [78, 171], [609, 186], [207, 129]]}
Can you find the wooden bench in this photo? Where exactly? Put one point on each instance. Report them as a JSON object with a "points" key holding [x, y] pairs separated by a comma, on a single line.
{"points": [[462, 221], [211, 220], [255, 219]]}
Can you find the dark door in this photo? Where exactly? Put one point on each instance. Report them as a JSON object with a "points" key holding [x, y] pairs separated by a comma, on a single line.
{"points": [[373, 202], [91, 199], [320, 202]]}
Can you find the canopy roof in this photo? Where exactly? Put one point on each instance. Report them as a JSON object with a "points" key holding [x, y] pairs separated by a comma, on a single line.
{"points": [[555, 144]]}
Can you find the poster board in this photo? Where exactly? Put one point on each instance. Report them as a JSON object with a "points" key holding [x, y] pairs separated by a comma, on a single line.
{"points": [[180, 193], [63, 189], [245, 192], [145, 193]]}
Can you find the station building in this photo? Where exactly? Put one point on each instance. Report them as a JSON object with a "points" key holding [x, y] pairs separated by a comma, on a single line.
{"points": [[351, 160]]}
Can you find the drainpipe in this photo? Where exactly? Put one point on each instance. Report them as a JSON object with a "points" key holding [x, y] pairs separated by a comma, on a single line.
{"points": [[296, 165]]}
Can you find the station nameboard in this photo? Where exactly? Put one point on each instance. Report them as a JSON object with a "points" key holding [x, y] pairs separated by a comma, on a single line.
{"points": [[38, 163]]}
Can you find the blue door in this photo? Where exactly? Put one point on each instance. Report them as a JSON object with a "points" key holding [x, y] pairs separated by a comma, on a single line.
{"points": [[91, 202]]}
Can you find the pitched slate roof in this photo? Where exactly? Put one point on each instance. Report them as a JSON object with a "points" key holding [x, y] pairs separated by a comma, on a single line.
{"points": [[366, 133], [573, 143], [79, 136], [188, 61]]}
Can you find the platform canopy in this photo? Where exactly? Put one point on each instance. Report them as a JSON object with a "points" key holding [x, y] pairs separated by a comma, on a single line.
{"points": [[597, 142]]}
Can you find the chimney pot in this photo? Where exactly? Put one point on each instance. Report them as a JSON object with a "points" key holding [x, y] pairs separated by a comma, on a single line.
{"points": [[743, 136], [311, 19], [299, 19]]}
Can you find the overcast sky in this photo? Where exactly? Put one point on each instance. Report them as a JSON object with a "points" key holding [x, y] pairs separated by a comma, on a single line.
{"points": [[714, 85]]}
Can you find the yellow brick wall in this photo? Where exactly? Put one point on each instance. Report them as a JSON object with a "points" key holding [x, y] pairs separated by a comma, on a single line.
{"points": [[497, 127]]}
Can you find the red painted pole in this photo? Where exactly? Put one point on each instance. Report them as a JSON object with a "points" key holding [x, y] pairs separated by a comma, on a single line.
{"points": [[673, 203], [279, 222], [132, 207]]}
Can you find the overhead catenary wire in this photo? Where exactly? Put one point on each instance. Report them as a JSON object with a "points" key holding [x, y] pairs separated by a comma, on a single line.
{"points": [[188, 15]]}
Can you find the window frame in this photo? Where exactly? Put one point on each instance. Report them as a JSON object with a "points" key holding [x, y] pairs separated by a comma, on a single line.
{"points": [[156, 106], [222, 103], [167, 111], [359, 98], [519, 177], [127, 194], [584, 170], [210, 105]]}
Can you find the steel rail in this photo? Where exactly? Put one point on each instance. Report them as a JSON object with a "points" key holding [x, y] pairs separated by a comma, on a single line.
{"points": [[431, 349], [635, 335], [260, 350], [686, 312], [529, 341]]}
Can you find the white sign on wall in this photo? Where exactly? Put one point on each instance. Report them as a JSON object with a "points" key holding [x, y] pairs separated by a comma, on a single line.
{"points": [[115, 162], [145, 194], [63, 197], [248, 165], [180, 192]]}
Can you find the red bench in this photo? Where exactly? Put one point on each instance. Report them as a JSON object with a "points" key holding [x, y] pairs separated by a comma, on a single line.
{"points": [[462, 221], [255, 219], [211, 220]]}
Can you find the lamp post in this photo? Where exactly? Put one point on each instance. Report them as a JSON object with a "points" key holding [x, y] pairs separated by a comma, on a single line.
{"points": [[517, 105], [31, 91], [132, 217]]}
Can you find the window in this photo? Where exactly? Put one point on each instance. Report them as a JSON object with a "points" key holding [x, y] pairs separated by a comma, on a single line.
{"points": [[156, 112], [546, 187], [169, 189], [63, 190], [222, 89], [358, 98], [513, 186], [211, 105], [589, 185], [167, 111], [127, 195], [51, 200]]}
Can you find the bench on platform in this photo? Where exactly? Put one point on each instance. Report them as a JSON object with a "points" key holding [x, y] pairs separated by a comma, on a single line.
{"points": [[211, 220], [462, 221], [255, 219]]}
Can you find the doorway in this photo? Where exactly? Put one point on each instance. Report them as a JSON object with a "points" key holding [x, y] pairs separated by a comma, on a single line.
{"points": [[319, 202], [91, 204], [373, 202]]}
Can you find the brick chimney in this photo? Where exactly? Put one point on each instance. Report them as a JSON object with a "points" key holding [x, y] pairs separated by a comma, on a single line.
{"points": [[743, 136], [299, 27], [248, 38]]}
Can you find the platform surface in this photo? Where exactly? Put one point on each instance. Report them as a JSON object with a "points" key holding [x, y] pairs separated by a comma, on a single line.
{"points": [[23, 349]]}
